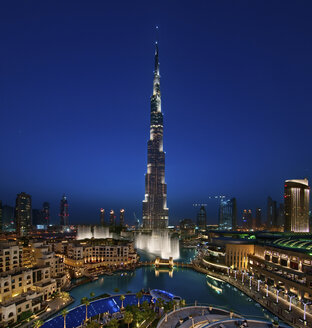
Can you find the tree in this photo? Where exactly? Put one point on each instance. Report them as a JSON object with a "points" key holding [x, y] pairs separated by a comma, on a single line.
{"points": [[64, 314], [92, 294], [139, 296], [93, 324], [182, 302], [116, 290], [113, 323], [86, 302], [38, 323], [128, 318], [122, 298]]}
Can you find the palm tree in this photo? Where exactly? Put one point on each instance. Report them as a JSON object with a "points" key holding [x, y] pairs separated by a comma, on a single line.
{"points": [[139, 296], [182, 302], [64, 314], [122, 298], [128, 318], [86, 302], [113, 323], [38, 323]]}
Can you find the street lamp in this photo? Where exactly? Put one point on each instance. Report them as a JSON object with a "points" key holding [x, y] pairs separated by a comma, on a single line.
{"points": [[267, 290], [235, 271], [259, 281], [305, 308], [250, 278], [290, 298], [228, 271], [192, 321], [277, 292], [243, 273]]}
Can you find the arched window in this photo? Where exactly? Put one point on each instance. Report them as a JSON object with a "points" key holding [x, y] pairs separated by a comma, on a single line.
{"points": [[11, 314]]}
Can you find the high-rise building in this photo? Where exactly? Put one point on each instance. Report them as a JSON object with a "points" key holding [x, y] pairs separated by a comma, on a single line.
{"points": [[271, 213], [122, 217], [202, 218], [102, 216], [247, 219], [46, 213], [64, 214], [155, 210], [258, 219], [227, 214], [23, 214], [281, 216], [296, 202], [37, 217], [1, 223], [8, 219], [111, 218]]}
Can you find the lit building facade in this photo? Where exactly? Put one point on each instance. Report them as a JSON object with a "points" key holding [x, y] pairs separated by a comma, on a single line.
{"points": [[285, 264], [64, 214], [296, 204], [155, 211], [202, 218], [23, 214], [227, 214]]}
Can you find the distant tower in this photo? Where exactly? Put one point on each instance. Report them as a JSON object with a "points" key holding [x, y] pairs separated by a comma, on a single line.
{"points": [[122, 217], [271, 213], [202, 218], [23, 214], [155, 210], [111, 218], [1, 221], [64, 211], [296, 202], [102, 216], [258, 218], [227, 214], [247, 219], [46, 213]]}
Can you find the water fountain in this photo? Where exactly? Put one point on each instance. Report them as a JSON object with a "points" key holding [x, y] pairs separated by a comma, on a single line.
{"points": [[160, 243], [88, 232], [84, 232], [100, 232]]}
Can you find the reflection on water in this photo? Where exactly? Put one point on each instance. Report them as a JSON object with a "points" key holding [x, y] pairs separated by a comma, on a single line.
{"points": [[188, 284]]}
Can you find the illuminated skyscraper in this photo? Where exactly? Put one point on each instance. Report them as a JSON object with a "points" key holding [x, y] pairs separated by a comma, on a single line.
{"points": [[111, 218], [64, 215], [247, 219], [122, 217], [46, 213], [271, 213], [202, 218], [227, 214], [296, 202], [258, 218], [102, 216], [23, 214], [1, 221], [155, 211]]}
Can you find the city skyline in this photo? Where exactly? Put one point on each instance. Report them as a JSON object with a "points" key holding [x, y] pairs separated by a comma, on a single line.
{"points": [[231, 94]]}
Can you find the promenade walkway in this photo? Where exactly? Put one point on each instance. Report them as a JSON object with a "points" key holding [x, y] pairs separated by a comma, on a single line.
{"points": [[264, 297]]}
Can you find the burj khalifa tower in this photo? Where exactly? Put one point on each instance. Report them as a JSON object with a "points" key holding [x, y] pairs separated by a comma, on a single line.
{"points": [[155, 210]]}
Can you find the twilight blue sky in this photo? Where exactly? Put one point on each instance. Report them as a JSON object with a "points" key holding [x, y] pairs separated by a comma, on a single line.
{"points": [[75, 82]]}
